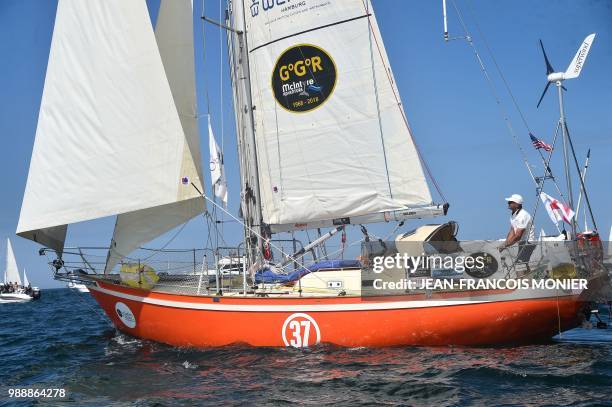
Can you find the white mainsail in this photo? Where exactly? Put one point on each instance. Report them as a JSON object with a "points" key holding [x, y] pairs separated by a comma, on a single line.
{"points": [[332, 139], [110, 139], [11, 272], [174, 35]]}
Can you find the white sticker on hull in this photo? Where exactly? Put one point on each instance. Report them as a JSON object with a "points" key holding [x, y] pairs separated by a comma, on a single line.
{"points": [[298, 331], [125, 315]]}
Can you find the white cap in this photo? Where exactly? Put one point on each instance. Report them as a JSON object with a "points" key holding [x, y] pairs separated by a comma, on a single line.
{"points": [[515, 198]]}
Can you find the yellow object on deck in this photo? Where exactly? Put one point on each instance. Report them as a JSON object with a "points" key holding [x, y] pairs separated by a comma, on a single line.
{"points": [[138, 275], [563, 271]]}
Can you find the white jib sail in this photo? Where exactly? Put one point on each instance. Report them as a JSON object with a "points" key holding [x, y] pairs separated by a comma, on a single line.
{"points": [[332, 140], [109, 138], [174, 35], [217, 168], [11, 272], [26, 282]]}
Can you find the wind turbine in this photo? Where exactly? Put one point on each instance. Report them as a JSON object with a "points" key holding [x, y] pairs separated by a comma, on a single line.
{"points": [[573, 71]]}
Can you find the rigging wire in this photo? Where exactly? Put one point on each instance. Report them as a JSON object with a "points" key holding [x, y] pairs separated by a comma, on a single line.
{"points": [[178, 232], [491, 85], [289, 256], [209, 239], [401, 110], [380, 126], [221, 30], [95, 309], [202, 25], [539, 181], [547, 169], [222, 118], [586, 196]]}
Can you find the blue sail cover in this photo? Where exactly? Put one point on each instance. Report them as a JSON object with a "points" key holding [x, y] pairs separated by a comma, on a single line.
{"points": [[267, 276]]}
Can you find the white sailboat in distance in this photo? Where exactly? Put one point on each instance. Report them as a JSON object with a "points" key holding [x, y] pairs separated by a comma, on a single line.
{"points": [[13, 289]]}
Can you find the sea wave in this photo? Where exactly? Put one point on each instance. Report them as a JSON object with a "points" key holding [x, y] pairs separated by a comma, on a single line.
{"points": [[61, 342]]}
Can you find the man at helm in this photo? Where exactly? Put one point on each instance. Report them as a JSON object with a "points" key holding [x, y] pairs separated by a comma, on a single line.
{"points": [[521, 229]]}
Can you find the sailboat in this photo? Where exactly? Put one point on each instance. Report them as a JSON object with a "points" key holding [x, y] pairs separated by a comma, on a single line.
{"points": [[82, 288], [323, 144], [13, 289], [75, 284]]}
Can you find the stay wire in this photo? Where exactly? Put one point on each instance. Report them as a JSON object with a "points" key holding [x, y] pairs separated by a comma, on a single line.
{"points": [[402, 113], [215, 204], [202, 25], [491, 85], [586, 196], [547, 169]]}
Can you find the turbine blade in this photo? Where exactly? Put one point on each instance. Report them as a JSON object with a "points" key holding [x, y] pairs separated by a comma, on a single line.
{"points": [[574, 68], [549, 68], [564, 88], [543, 93]]}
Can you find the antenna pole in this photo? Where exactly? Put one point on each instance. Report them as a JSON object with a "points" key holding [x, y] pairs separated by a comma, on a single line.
{"points": [[583, 177], [568, 176], [445, 20]]}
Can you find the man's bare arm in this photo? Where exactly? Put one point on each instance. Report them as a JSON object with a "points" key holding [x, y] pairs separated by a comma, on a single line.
{"points": [[513, 237]]}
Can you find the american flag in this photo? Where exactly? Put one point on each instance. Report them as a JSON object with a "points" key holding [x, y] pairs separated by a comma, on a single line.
{"points": [[537, 143]]}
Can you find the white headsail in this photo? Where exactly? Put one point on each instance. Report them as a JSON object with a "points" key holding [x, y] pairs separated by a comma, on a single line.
{"points": [[174, 35], [110, 139], [332, 139], [26, 282], [11, 272]]}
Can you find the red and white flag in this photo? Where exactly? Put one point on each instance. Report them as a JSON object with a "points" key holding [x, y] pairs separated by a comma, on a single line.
{"points": [[557, 210]]}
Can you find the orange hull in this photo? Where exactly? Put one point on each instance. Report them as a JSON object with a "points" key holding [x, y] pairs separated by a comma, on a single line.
{"points": [[197, 321]]}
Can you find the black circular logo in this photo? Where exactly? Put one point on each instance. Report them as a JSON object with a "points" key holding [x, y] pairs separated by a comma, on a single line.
{"points": [[304, 77], [488, 268]]}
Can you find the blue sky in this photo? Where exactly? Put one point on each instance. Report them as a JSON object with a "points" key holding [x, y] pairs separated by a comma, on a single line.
{"points": [[452, 112]]}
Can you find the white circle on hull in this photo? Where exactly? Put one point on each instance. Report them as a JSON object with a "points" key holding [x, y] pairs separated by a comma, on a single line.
{"points": [[125, 315], [297, 330]]}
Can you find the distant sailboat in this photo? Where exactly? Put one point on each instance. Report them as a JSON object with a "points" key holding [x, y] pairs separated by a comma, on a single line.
{"points": [[13, 289], [75, 285], [323, 142]]}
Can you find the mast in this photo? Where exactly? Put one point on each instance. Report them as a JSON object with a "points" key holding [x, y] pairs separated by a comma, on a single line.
{"points": [[245, 121], [566, 164]]}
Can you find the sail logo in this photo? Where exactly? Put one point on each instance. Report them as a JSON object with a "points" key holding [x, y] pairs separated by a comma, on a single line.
{"points": [[304, 77], [125, 315], [581, 56], [269, 5], [300, 331]]}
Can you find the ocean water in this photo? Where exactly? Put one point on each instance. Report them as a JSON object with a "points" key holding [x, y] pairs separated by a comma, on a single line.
{"points": [[62, 341]]}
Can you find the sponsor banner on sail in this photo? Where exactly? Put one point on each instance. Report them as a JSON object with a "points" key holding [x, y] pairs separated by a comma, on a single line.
{"points": [[332, 140]]}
